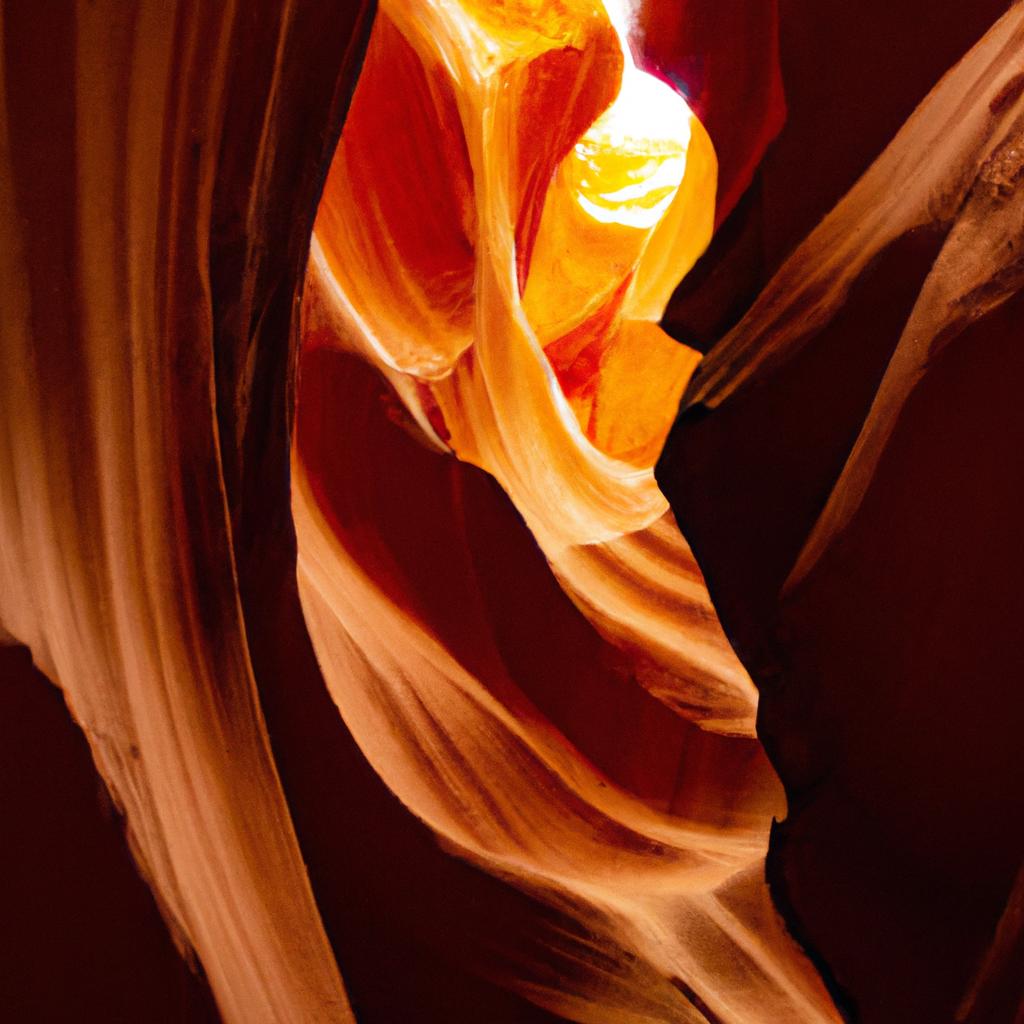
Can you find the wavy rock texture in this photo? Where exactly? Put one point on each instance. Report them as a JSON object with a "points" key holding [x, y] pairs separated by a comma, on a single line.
{"points": [[500, 764], [143, 312], [503, 348]]}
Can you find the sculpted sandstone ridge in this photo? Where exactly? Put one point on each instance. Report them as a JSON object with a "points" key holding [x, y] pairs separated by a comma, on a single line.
{"points": [[506, 562]]}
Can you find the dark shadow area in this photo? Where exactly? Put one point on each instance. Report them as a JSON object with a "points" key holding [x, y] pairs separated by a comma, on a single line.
{"points": [[81, 939], [889, 680], [852, 74], [890, 702]]}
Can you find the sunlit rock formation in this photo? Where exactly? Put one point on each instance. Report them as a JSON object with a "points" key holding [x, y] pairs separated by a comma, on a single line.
{"points": [[143, 368], [515, 323], [500, 763]]}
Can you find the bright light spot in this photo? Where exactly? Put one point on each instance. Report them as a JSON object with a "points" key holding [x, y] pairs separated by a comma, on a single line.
{"points": [[630, 163]]}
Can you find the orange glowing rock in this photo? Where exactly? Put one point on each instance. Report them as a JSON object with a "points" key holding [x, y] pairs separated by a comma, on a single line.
{"points": [[515, 634], [586, 182], [511, 204]]}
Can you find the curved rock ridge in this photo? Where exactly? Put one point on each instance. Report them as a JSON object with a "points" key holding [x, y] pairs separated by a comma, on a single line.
{"points": [[503, 283]]}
